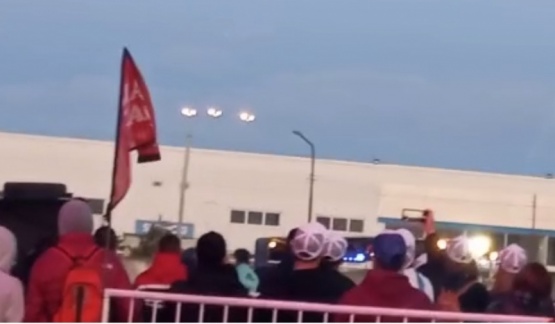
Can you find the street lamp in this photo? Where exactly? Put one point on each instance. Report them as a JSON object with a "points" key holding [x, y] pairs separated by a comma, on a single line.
{"points": [[312, 163], [214, 112], [246, 116], [189, 112]]}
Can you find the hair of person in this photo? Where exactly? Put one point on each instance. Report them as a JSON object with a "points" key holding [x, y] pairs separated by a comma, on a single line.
{"points": [[211, 249], [535, 279], [105, 236], [242, 256], [169, 243], [291, 235]]}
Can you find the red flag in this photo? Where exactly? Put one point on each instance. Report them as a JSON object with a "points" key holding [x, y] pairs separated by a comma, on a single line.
{"points": [[136, 129]]}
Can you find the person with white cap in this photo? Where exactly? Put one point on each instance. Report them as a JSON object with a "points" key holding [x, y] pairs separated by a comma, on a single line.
{"points": [[530, 294], [461, 277], [335, 248], [308, 282], [509, 262], [416, 279]]}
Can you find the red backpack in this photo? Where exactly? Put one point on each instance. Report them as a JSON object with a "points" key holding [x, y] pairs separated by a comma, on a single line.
{"points": [[82, 294]]}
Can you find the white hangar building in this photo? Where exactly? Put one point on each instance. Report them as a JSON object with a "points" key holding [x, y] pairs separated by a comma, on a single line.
{"points": [[246, 196]]}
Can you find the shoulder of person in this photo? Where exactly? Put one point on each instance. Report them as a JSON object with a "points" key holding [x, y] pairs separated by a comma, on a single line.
{"points": [[352, 296], [9, 283]]}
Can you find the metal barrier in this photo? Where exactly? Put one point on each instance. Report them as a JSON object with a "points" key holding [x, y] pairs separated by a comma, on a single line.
{"points": [[273, 307]]}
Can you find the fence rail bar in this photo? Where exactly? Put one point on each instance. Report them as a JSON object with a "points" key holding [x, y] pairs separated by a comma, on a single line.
{"points": [[313, 307]]}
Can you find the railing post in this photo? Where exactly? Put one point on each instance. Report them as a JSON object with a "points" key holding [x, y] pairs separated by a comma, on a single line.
{"points": [[106, 307]]}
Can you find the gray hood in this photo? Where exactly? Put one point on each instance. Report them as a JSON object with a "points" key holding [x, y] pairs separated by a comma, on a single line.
{"points": [[75, 216]]}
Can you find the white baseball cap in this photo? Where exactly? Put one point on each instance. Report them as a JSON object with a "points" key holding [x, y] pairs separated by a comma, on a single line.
{"points": [[512, 258], [335, 247], [308, 242], [410, 242], [458, 249]]}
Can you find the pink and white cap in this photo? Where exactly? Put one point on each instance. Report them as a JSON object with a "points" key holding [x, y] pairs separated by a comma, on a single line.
{"points": [[458, 249], [308, 242], [512, 258], [335, 247]]}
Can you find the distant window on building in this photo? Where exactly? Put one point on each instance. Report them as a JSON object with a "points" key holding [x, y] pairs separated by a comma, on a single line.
{"points": [[551, 251], [255, 218], [530, 243], [339, 224], [238, 216], [356, 225], [324, 221], [97, 205], [271, 219]]}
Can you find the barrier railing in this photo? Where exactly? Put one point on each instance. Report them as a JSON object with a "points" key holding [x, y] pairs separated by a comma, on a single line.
{"points": [[226, 306]]}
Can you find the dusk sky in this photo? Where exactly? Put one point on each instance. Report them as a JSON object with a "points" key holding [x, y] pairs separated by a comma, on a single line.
{"points": [[455, 84]]}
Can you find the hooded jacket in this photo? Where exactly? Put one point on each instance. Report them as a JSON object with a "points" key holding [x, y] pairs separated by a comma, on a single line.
{"points": [[382, 288], [11, 292], [166, 268], [44, 294]]}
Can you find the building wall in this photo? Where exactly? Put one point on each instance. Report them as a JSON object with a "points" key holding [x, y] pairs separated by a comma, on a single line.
{"points": [[221, 181]]}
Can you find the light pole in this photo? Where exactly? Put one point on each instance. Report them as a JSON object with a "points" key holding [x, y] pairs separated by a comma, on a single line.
{"points": [[312, 163], [189, 112]]}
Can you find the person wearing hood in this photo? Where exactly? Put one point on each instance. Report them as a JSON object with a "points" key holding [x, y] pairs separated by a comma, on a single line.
{"points": [[461, 277], [45, 295], [246, 274], [511, 261], [416, 279], [335, 248], [166, 267], [384, 285], [212, 277], [529, 295], [12, 303]]}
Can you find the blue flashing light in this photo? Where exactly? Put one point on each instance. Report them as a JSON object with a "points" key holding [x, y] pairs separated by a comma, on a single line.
{"points": [[357, 257]]}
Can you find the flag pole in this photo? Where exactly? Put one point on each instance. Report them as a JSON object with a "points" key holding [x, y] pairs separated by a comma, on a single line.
{"points": [[108, 215]]}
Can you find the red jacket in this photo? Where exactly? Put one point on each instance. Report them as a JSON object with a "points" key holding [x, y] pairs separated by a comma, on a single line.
{"points": [[382, 288], [166, 268], [44, 293]]}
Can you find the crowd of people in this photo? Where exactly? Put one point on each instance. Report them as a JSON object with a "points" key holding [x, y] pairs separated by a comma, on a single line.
{"points": [[66, 279]]}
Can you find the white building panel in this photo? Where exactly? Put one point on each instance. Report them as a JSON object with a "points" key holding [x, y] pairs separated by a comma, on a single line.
{"points": [[222, 181]]}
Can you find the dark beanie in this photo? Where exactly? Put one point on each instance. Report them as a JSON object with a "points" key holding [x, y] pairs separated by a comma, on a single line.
{"points": [[211, 249]]}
